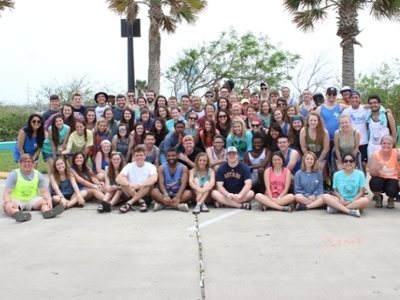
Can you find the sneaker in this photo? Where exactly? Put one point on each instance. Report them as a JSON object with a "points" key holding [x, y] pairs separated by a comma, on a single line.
{"points": [[183, 207], [301, 207], [390, 203], [331, 210], [354, 213], [158, 206]]}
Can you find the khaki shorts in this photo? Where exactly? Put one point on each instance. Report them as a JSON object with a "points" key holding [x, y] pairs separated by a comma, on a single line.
{"points": [[27, 205]]}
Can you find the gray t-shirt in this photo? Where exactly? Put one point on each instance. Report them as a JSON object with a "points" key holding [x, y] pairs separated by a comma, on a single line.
{"points": [[12, 179]]}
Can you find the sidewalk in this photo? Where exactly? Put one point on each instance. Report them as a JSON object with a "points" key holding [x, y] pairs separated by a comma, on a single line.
{"points": [[83, 254]]}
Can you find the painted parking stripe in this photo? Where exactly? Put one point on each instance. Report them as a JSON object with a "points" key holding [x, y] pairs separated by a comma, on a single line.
{"points": [[216, 219]]}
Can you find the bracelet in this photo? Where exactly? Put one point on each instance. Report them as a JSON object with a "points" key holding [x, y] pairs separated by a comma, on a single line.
{"points": [[165, 195], [226, 195]]}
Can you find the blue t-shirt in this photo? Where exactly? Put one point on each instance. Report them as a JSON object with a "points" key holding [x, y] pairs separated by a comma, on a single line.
{"points": [[348, 186], [233, 178], [241, 144]]}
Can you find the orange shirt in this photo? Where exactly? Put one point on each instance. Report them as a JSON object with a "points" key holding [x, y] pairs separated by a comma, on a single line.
{"points": [[390, 167]]}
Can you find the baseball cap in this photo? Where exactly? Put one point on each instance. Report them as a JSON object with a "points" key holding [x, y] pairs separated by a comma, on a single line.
{"points": [[231, 149], [345, 89], [245, 101], [264, 84], [355, 93], [331, 90], [187, 138]]}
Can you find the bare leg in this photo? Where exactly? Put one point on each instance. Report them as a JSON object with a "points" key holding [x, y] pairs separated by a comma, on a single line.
{"points": [[217, 196], [333, 202]]}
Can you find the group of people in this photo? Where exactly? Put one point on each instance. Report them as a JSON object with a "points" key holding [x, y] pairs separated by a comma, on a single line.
{"points": [[296, 155]]}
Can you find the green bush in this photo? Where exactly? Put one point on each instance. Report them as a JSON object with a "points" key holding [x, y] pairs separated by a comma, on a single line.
{"points": [[12, 118]]}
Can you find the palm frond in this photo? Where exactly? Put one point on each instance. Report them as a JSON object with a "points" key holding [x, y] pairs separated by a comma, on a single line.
{"points": [[186, 10], [130, 8], [385, 9], [6, 4], [305, 20], [294, 6], [169, 24]]}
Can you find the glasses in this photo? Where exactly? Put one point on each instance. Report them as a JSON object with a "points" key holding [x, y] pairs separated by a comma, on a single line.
{"points": [[222, 116], [115, 152], [348, 161], [218, 142], [36, 122], [281, 104], [192, 118], [209, 96], [121, 129], [332, 94], [131, 96], [255, 125], [264, 88]]}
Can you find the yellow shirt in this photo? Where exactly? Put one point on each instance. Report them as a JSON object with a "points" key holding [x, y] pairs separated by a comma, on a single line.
{"points": [[77, 143]]}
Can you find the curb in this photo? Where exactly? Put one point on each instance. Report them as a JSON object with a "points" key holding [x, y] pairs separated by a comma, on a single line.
{"points": [[4, 175]]}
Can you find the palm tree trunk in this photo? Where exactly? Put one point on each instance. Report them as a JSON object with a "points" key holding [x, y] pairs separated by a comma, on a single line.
{"points": [[348, 64], [154, 71]]}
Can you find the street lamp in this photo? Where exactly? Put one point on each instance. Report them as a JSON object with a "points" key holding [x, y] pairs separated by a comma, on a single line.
{"points": [[130, 30]]}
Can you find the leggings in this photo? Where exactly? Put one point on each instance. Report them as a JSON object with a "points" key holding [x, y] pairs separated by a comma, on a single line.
{"points": [[388, 186]]}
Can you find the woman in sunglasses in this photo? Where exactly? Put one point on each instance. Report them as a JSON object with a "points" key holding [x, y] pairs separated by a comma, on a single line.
{"points": [[385, 170], [224, 122], [30, 139], [192, 127], [348, 189]]}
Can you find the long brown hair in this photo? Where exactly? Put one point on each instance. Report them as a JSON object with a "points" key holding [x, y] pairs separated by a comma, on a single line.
{"points": [[319, 139], [56, 174], [111, 171]]}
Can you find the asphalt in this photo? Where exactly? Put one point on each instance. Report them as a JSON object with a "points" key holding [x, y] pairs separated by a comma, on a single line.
{"points": [[83, 254]]}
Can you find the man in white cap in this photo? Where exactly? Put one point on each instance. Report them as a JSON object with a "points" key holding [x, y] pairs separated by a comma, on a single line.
{"points": [[233, 187], [346, 93]]}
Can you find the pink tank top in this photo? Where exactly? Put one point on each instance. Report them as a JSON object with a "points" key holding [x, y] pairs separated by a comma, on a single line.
{"points": [[277, 182]]}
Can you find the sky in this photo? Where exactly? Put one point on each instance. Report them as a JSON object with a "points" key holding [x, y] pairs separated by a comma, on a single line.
{"points": [[47, 41]]}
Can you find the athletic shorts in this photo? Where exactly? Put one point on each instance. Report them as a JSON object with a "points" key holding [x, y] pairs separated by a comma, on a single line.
{"points": [[27, 205], [364, 152]]}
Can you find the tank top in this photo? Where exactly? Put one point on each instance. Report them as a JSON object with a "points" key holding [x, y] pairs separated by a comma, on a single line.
{"points": [[304, 111], [152, 157], [277, 182], [98, 138], [30, 145], [377, 131], [205, 139], [347, 147], [24, 190], [311, 146], [215, 156], [389, 170], [85, 177], [172, 182], [256, 160], [122, 146], [204, 179], [65, 187], [287, 159], [331, 119]]}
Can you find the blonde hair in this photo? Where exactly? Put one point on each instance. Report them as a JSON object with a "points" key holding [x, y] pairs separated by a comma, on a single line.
{"points": [[342, 116], [241, 122], [315, 166]]}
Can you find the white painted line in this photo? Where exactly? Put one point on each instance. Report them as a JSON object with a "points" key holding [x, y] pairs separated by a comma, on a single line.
{"points": [[216, 219]]}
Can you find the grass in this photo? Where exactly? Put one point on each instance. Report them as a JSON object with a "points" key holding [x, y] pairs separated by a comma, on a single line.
{"points": [[7, 163]]}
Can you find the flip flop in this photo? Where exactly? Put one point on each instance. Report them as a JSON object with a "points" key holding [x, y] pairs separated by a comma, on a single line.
{"points": [[19, 216], [51, 213]]}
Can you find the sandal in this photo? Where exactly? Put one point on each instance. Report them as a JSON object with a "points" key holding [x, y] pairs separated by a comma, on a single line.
{"points": [[246, 206], [106, 206], [390, 203], [143, 207], [20, 216], [378, 202], [264, 208], [204, 208], [100, 208], [126, 207], [197, 209], [286, 208]]}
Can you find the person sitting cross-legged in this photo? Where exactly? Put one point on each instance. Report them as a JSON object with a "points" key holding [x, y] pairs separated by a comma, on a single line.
{"points": [[233, 186], [136, 180], [277, 180], [173, 179], [21, 192], [348, 188], [308, 184]]}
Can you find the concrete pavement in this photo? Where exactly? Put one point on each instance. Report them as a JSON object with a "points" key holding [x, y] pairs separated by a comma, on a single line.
{"points": [[246, 254]]}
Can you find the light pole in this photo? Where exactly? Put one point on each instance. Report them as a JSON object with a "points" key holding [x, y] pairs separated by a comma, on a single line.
{"points": [[130, 30]]}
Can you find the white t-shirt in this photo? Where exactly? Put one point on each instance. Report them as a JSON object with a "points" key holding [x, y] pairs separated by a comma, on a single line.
{"points": [[359, 121], [136, 174]]}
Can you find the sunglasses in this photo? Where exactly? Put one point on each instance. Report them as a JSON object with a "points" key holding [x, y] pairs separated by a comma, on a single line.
{"points": [[264, 88], [192, 118], [222, 116], [281, 104], [332, 94], [209, 96], [121, 129], [348, 161], [36, 122], [255, 125], [131, 95]]}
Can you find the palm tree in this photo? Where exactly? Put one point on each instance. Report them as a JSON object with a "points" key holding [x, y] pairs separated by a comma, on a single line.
{"points": [[6, 4], [306, 13], [179, 11]]}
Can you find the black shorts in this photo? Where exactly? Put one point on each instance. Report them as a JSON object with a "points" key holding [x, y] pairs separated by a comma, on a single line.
{"points": [[364, 152]]}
